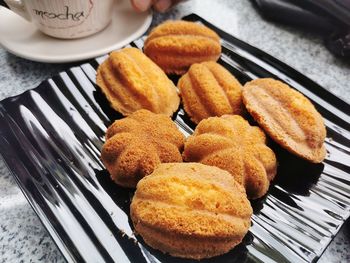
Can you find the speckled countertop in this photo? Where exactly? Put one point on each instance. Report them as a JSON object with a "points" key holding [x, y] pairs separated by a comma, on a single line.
{"points": [[22, 236]]}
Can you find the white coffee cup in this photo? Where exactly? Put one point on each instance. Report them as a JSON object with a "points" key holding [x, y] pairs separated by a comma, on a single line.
{"points": [[65, 18]]}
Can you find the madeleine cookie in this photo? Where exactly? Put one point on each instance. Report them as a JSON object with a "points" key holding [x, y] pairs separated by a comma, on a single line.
{"points": [[131, 81], [209, 90], [136, 145], [190, 210], [176, 45], [230, 143], [287, 116]]}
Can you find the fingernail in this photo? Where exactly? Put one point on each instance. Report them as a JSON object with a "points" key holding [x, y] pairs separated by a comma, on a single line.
{"points": [[142, 5], [163, 5]]}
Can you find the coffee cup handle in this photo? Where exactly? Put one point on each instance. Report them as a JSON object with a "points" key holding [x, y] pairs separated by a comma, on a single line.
{"points": [[19, 8]]}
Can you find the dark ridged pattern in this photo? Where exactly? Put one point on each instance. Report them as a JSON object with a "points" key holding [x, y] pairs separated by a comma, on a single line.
{"points": [[51, 138]]}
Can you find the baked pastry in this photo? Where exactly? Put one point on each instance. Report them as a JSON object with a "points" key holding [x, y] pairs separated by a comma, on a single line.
{"points": [[209, 90], [131, 81], [176, 45], [287, 116], [230, 143], [136, 145], [190, 210]]}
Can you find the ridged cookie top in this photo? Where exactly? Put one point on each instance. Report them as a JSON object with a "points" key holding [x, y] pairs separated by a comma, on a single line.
{"points": [[136, 145], [287, 116], [191, 200], [131, 81], [176, 45], [230, 143], [209, 90]]}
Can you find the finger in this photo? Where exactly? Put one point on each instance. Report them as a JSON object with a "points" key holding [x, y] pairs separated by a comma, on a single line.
{"points": [[141, 5], [162, 5]]}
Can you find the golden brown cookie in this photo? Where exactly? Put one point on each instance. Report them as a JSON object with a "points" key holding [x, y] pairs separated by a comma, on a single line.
{"points": [[131, 81], [209, 90], [176, 45], [230, 143], [287, 116], [136, 145], [190, 210]]}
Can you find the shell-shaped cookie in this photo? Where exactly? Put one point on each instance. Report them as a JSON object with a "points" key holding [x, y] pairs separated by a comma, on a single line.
{"points": [[230, 143], [131, 81], [136, 145], [209, 90], [176, 45], [287, 116], [190, 210]]}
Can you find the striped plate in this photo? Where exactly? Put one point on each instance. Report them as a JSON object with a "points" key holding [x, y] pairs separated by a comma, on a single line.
{"points": [[51, 138]]}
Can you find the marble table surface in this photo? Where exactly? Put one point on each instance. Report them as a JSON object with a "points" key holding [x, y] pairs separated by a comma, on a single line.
{"points": [[22, 236]]}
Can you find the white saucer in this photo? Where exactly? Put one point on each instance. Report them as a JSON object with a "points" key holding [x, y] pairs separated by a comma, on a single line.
{"points": [[22, 38]]}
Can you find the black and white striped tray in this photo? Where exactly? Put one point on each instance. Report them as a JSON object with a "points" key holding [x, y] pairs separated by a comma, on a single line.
{"points": [[51, 138]]}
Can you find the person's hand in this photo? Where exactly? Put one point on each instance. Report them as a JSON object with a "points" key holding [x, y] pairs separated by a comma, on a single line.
{"points": [[158, 5]]}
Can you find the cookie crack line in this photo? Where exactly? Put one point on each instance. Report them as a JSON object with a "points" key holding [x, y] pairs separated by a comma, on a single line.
{"points": [[196, 96], [228, 218], [203, 93], [225, 91], [112, 92], [150, 82], [182, 35], [134, 90], [282, 109]]}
